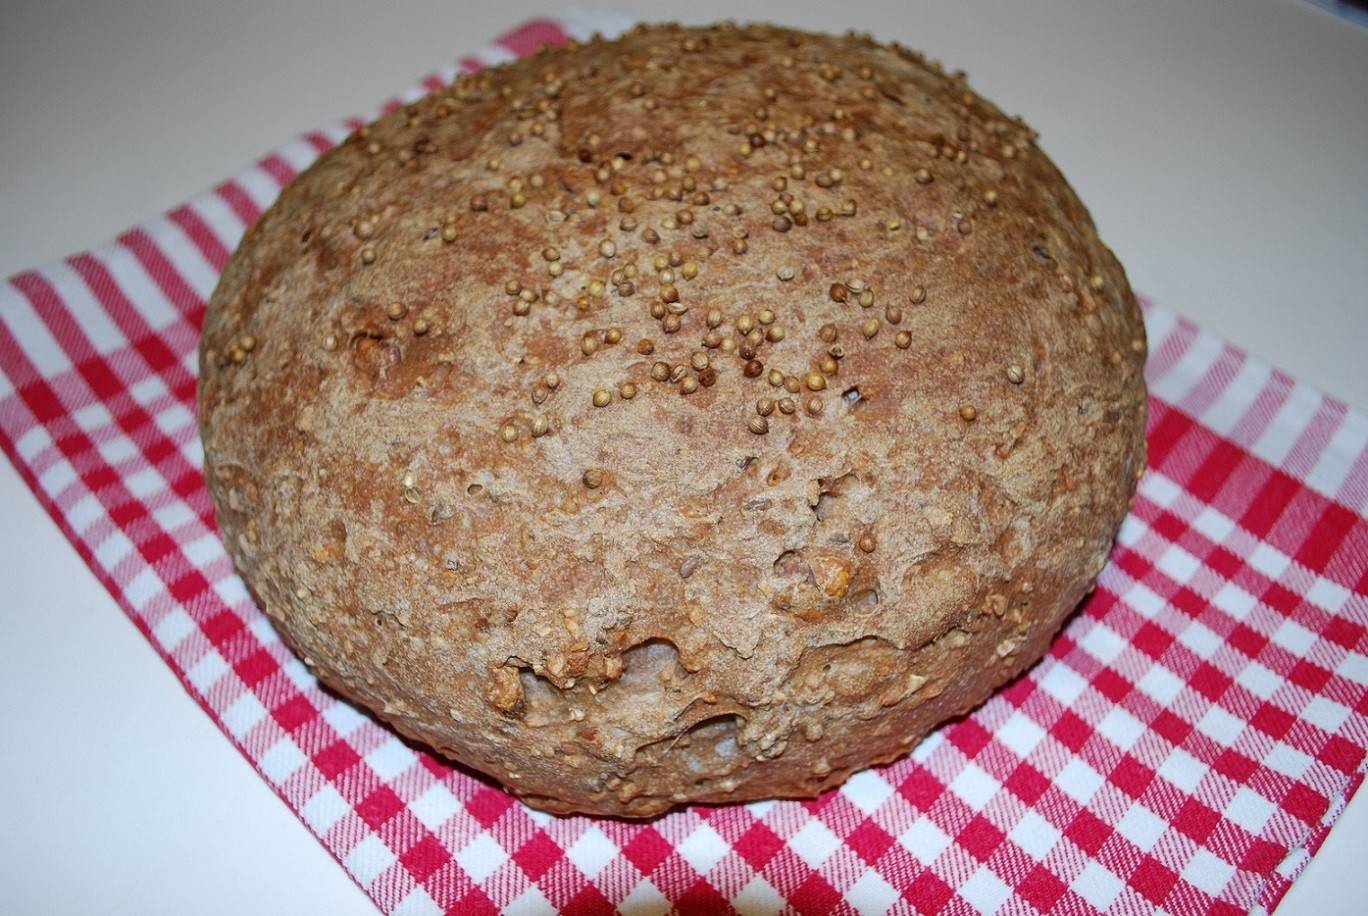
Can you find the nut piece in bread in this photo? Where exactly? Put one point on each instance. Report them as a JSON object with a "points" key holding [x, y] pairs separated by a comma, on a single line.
{"points": [[698, 416]]}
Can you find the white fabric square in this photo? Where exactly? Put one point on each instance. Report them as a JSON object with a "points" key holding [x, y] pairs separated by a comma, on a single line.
{"points": [[390, 758], [703, 848], [1145, 600], [1097, 885], [206, 672], [647, 900], [243, 715], [1288, 760], [592, 852], [984, 890], [814, 844], [1208, 872], [174, 419], [871, 895], [481, 857], [1183, 770], [1329, 595], [86, 510], [33, 442], [173, 628], [1161, 684], [756, 898], [323, 809], [1159, 489], [1200, 639], [143, 484], [759, 809], [417, 903], [299, 675], [1102, 642], [924, 840], [1213, 525], [530, 902], [147, 389], [1234, 600], [145, 586], [1325, 714], [1078, 781], [92, 417], [1141, 826], [1035, 835], [1269, 560], [1020, 734], [975, 786], [435, 806], [1063, 683], [1353, 667], [1121, 728], [368, 860], [1131, 531], [1258, 680], [343, 717], [1178, 564], [174, 514], [203, 550], [1221, 726], [867, 790], [1250, 810], [281, 761], [57, 478], [232, 592]]}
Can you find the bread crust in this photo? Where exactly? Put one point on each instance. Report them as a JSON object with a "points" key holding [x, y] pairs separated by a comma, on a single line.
{"points": [[701, 592]]}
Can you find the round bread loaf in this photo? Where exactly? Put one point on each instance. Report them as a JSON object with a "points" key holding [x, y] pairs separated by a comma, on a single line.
{"points": [[698, 416]]}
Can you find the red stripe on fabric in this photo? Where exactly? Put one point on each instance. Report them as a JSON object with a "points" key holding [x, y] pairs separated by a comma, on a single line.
{"points": [[77, 447], [41, 399], [14, 360], [129, 320], [1214, 381], [239, 201], [1166, 429], [1167, 352], [1268, 506], [1215, 470], [1354, 491], [278, 168], [106, 385], [319, 141], [1262, 514], [165, 275], [1326, 534], [1315, 435], [526, 39], [69, 334], [203, 238], [1262, 409]]}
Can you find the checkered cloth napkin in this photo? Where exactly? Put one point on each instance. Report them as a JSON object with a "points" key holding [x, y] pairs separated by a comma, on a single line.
{"points": [[1186, 744]]}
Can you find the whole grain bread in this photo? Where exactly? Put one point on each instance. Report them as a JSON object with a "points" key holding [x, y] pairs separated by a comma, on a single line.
{"points": [[703, 415]]}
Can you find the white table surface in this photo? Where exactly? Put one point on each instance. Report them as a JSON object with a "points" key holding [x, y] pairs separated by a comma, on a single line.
{"points": [[1222, 148]]}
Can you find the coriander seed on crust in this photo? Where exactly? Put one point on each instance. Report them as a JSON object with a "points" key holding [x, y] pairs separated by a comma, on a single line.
{"points": [[565, 495]]}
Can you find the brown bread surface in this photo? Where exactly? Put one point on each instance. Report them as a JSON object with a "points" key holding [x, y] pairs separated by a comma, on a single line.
{"points": [[703, 415]]}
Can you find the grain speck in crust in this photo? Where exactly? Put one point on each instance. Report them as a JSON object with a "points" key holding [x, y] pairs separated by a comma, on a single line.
{"points": [[699, 416]]}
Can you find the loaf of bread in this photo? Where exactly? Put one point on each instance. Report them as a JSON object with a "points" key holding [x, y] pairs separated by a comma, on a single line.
{"points": [[698, 416]]}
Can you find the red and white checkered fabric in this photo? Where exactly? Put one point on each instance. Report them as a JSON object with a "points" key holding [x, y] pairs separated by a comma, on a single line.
{"points": [[1187, 743]]}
